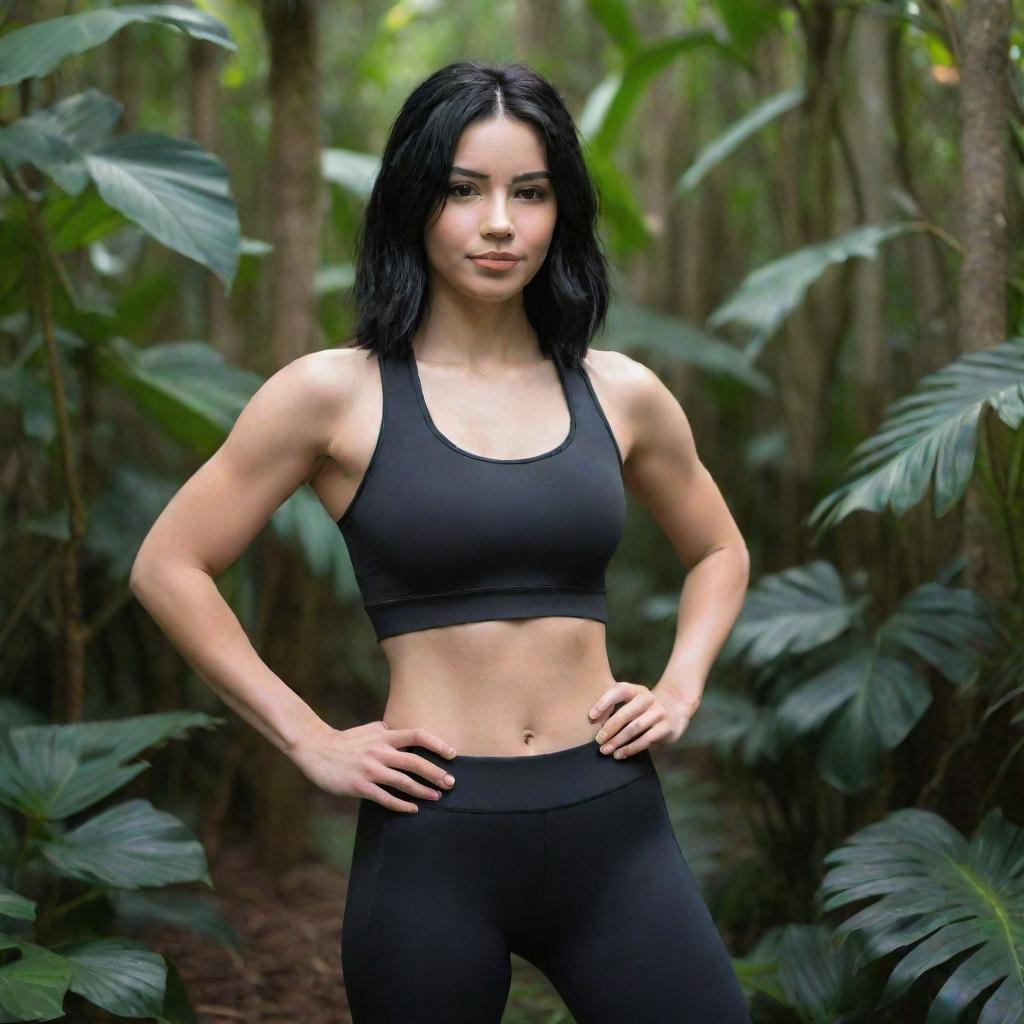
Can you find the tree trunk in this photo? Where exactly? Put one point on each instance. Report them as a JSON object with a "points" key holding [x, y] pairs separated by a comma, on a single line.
{"points": [[983, 321], [294, 174]]}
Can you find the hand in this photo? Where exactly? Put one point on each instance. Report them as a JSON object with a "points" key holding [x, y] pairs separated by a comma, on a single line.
{"points": [[351, 762], [648, 718]]}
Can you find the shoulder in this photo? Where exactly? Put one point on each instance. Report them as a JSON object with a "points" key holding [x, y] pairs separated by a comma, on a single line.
{"points": [[638, 396], [304, 399], [626, 378], [329, 379]]}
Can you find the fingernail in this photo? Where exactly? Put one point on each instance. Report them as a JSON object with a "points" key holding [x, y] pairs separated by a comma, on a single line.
{"points": [[618, 755], [601, 736], [436, 794], [604, 750], [451, 751], [449, 780]]}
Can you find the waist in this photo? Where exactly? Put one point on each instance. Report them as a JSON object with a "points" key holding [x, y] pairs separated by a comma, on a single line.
{"points": [[501, 688], [532, 782]]}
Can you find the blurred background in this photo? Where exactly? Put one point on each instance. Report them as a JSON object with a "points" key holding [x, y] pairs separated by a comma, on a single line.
{"points": [[813, 213]]}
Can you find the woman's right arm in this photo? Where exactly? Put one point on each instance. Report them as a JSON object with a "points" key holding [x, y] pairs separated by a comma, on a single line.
{"points": [[274, 447]]}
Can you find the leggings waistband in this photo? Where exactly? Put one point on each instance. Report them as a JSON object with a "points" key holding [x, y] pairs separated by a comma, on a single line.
{"points": [[531, 782]]}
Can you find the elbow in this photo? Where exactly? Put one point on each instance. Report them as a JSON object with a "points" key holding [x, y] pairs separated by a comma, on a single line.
{"points": [[143, 570]]}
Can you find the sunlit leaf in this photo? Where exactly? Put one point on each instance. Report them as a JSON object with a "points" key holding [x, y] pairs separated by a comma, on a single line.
{"points": [[37, 49]]}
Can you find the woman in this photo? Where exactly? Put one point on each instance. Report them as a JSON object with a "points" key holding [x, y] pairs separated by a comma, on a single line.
{"points": [[474, 453]]}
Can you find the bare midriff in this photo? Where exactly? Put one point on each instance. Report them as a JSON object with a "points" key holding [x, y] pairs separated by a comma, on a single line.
{"points": [[500, 688]]}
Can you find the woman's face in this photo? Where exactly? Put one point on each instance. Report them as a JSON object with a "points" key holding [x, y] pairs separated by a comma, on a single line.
{"points": [[500, 198]]}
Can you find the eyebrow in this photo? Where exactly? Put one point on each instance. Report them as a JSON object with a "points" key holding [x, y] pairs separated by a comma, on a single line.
{"points": [[519, 177]]}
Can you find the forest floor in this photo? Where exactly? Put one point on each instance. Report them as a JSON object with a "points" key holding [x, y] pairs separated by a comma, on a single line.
{"points": [[289, 968]]}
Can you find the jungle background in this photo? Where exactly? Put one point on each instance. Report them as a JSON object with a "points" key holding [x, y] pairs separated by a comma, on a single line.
{"points": [[813, 213]]}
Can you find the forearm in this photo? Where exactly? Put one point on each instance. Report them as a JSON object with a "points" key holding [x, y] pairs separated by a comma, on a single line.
{"points": [[709, 605], [185, 603]]}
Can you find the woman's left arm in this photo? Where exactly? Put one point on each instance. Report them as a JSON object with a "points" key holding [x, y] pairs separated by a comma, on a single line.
{"points": [[662, 470]]}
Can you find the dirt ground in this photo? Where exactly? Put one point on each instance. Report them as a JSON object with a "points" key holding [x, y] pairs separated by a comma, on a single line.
{"points": [[290, 968]]}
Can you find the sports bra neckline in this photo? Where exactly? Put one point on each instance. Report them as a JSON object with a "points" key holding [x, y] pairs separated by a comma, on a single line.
{"points": [[410, 358]]}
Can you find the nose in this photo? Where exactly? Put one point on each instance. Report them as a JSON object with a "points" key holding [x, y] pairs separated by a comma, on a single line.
{"points": [[497, 222]]}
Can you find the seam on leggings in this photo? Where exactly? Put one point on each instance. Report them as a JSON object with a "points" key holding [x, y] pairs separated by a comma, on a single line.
{"points": [[532, 810]]}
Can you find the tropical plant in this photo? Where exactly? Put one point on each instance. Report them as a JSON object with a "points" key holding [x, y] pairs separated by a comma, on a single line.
{"points": [[930, 437], [828, 675], [943, 895], [65, 884]]}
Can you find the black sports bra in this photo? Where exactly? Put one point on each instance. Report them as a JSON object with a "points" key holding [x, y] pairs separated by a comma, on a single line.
{"points": [[438, 535]]}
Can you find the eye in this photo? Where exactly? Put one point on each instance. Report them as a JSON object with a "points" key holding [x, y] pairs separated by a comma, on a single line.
{"points": [[539, 193]]}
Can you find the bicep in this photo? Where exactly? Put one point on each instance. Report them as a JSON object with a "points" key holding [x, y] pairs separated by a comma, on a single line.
{"points": [[663, 471], [271, 450]]}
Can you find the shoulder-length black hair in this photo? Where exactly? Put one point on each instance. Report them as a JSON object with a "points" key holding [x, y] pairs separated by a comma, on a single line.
{"points": [[566, 301]]}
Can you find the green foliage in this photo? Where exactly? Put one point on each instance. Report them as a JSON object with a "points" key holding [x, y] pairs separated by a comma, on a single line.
{"points": [[47, 774], [930, 436], [814, 974], [716, 151], [932, 889], [37, 50], [769, 294], [853, 689]]}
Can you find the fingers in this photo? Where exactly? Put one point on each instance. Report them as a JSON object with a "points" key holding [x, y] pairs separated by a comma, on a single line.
{"points": [[647, 738], [400, 780], [421, 766], [385, 799], [618, 736], [613, 695], [420, 738]]}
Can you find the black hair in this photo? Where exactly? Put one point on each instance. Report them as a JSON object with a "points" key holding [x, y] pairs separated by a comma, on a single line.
{"points": [[566, 301]]}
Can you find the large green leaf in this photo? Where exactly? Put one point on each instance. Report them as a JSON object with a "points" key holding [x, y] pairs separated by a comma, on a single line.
{"points": [[641, 67], [177, 909], [128, 846], [52, 771], [36, 141], [866, 702], [36, 50], [186, 387], [615, 18], [948, 898], [727, 720], [816, 975], [617, 200], [13, 904], [930, 435], [354, 171], [121, 975], [767, 295], [792, 612], [863, 689], [748, 22], [53, 138], [736, 134], [176, 191], [950, 628], [629, 327], [33, 986]]}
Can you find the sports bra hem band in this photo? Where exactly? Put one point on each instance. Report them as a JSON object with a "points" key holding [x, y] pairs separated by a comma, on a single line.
{"points": [[486, 590]]}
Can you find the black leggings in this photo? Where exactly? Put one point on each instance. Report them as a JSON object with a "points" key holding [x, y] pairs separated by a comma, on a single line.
{"points": [[566, 859]]}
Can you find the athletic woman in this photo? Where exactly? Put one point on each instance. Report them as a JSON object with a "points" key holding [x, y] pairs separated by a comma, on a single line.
{"points": [[476, 453]]}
